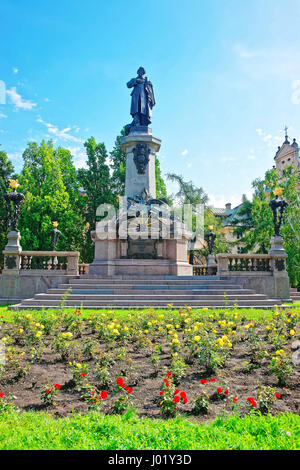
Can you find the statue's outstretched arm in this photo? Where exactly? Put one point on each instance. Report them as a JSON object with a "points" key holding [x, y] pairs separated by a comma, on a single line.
{"points": [[131, 83]]}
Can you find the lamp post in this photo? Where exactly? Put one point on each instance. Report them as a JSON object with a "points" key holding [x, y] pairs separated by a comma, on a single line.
{"points": [[13, 249], [55, 234], [278, 208], [210, 239], [14, 201]]}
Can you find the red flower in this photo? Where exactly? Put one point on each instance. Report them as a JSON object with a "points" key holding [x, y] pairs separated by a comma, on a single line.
{"points": [[1, 395], [176, 399], [120, 382], [235, 399], [162, 392], [203, 381], [183, 396], [83, 374], [128, 389], [167, 383], [226, 391], [219, 390], [57, 386], [104, 394], [277, 395], [176, 391], [47, 391], [169, 374], [252, 401], [212, 380]]}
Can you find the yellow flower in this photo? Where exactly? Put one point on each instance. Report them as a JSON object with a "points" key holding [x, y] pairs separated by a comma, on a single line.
{"points": [[205, 309], [197, 339], [126, 328], [220, 342], [78, 366], [292, 332], [175, 341], [39, 334]]}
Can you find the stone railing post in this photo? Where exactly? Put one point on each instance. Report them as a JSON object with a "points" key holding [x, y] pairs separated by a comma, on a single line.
{"points": [[72, 267], [222, 262], [12, 253]]}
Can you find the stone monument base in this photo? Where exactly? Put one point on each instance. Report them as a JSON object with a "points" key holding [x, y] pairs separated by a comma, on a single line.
{"points": [[113, 257]]}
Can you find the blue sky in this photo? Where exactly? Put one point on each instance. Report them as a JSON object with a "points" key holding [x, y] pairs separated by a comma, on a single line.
{"points": [[226, 77]]}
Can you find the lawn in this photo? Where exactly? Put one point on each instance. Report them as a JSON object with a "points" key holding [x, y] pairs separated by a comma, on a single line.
{"points": [[151, 379], [129, 432]]}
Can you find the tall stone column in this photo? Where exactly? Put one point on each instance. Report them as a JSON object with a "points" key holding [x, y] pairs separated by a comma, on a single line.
{"points": [[140, 149]]}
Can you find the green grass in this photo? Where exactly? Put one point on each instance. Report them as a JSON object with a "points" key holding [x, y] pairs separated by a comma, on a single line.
{"points": [[250, 313], [99, 432]]}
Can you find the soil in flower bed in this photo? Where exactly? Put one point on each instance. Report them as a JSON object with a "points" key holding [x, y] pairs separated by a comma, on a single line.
{"points": [[139, 373]]}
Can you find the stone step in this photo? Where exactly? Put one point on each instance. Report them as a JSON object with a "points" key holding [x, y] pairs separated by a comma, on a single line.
{"points": [[133, 291], [51, 303], [148, 285], [137, 297]]}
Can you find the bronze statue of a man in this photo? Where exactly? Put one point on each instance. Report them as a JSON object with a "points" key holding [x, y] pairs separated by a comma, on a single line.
{"points": [[142, 100]]}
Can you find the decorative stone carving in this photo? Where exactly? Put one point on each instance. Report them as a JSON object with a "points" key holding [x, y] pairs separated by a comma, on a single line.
{"points": [[141, 157]]}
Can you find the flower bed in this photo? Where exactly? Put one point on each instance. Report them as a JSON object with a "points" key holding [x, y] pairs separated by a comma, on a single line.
{"points": [[200, 363]]}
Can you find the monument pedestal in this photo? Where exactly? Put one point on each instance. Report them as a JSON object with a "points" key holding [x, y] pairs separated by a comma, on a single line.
{"points": [[113, 257], [140, 175]]}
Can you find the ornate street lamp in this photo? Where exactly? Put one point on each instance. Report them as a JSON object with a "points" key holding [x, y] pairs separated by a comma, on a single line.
{"points": [[14, 201], [278, 207], [55, 234], [210, 239]]}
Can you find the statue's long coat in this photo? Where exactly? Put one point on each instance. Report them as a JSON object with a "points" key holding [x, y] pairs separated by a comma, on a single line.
{"points": [[142, 100]]}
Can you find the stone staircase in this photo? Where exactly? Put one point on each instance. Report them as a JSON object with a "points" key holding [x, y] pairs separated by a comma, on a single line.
{"points": [[295, 295], [146, 291]]}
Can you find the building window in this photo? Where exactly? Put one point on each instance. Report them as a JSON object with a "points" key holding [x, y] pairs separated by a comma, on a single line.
{"points": [[239, 250]]}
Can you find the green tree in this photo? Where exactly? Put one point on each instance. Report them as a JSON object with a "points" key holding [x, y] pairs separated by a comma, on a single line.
{"points": [[48, 180], [118, 165], [257, 237], [6, 171], [96, 181]]}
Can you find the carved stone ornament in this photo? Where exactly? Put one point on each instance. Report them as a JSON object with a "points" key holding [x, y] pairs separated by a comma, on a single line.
{"points": [[141, 157]]}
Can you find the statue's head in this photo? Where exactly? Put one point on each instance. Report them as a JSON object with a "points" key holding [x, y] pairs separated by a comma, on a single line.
{"points": [[141, 71]]}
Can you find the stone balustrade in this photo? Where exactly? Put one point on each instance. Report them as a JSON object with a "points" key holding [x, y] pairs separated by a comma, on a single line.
{"points": [[36, 261], [247, 263], [202, 270], [264, 273]]}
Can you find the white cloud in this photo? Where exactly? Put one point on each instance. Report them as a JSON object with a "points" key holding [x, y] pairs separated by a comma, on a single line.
{"points": [[47, 100], [185, 152], [251, 156], [79, 155], [15, 70], [269, 139], [18, 101], [218, 200], [281, 62], [3, 115], [245, 53], [295, 98], [59, 134]]}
